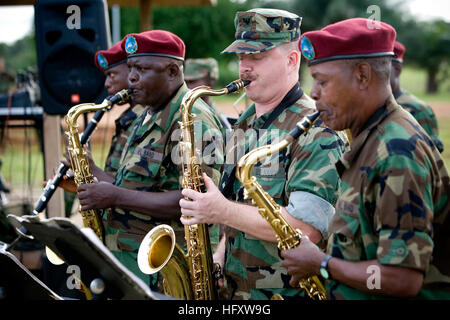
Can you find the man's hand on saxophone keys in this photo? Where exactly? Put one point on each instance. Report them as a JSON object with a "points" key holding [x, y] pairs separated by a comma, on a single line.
{"points": [[97, 195], [208, 207], [302, 261]]}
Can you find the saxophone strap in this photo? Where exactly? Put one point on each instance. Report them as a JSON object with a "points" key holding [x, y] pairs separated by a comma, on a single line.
{"points": [[227, 182]]}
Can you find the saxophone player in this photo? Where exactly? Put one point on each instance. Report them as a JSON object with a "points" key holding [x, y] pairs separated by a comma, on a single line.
{"points": [[389, 236], [146, 188], [302, 178]]}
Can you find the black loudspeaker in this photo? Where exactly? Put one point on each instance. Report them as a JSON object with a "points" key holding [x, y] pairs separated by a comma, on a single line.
{"points": [[68, 34]]}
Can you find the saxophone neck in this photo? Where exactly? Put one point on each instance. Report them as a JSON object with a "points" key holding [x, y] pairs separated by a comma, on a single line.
{"points": [[76, 111], [248, 161], [79, 109], [201, 91]]}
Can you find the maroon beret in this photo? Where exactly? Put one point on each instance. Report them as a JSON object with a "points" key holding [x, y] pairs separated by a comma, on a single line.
{"points": [[105, 59], [399, 50], [347, 39], [158, 43]]}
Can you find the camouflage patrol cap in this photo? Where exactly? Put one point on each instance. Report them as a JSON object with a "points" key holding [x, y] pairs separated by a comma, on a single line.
{"points": [[259, 30], [196, 69]]}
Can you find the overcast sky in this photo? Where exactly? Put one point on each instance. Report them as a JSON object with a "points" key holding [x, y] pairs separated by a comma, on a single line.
{"points": [[16, 21]]}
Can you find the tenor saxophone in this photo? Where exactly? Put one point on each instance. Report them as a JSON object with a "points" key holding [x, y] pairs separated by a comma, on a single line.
{"points": [[191, 277], [79, 159], [287, 236]]}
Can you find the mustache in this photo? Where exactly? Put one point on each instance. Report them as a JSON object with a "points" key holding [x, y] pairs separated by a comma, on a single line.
{"points": [[247, 76]]}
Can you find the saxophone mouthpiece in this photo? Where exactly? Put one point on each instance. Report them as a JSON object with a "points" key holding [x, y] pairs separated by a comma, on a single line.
{"points": [[121, 96], [236, 85], [304, 125]]}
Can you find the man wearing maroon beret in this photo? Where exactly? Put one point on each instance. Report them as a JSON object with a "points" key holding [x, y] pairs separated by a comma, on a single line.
{"points": [[113, 62], [418, 108], [146, 188], [389, 236]]}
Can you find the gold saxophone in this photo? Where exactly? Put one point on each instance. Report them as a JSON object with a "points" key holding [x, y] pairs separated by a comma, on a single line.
{"points": [[186, 276], [78, 157], [287, 236], [82, 170]]}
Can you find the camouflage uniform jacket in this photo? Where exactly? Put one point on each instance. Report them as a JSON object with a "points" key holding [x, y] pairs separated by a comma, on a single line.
{"points": [[147, 165], [123, 130], [253, 266], [422, 113], [393, 203]]}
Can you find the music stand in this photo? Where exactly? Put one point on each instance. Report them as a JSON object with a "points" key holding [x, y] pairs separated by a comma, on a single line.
{"points": [[82, 248], [18, 283]]}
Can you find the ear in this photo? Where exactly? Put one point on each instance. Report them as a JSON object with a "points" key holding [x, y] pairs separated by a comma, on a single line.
{"points": [[397, 68], [173, 70], [293, 59], [363, 73]]}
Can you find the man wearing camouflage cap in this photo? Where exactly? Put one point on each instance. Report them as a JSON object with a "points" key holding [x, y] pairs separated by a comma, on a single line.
{"points": [[390, 234], [419, 109], [302, 180]]}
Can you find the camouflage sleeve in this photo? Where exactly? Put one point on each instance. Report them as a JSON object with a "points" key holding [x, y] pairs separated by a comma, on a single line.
{"points": [[312, 166], [402, 196], [427, 119]]}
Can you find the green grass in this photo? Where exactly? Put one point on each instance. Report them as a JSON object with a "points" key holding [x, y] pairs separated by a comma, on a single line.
{"points": [[414, 80]]}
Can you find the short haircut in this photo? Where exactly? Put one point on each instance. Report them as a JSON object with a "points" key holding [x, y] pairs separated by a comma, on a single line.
{"points": [[381, 66], [291, 46]]}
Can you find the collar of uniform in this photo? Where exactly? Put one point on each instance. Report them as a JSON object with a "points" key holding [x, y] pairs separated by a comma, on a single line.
{"points": [[247, 113], [295, 93], [358, 142], [398, 93]]}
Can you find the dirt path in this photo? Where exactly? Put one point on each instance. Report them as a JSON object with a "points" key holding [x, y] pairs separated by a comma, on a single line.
{"points": [[441, 109]]}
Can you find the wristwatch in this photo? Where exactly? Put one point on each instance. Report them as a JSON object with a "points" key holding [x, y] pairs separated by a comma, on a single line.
{"points": [[324, 267]]}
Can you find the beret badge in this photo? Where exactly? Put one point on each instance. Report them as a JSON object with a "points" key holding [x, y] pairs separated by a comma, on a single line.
{"points": [[307, 48], [131, 45], [102, 62]]}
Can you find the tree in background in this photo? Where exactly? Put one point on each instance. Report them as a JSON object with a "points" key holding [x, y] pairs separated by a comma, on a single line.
{"points": [[428, 46], [206, 30]]}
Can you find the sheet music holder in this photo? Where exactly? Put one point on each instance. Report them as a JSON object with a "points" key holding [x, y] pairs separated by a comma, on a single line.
{"points": [[18, 283], [82, 248]]}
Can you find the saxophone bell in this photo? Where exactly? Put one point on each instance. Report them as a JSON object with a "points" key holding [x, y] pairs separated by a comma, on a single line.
{"points": [[159, 252]]}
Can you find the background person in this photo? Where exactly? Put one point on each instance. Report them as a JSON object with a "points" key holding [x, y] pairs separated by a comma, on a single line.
{"points": [[419, 109]]}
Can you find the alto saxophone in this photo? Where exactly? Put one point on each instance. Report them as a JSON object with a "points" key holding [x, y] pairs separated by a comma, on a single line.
{"points": [[78, 157], [191, 277], [287, 236]]}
